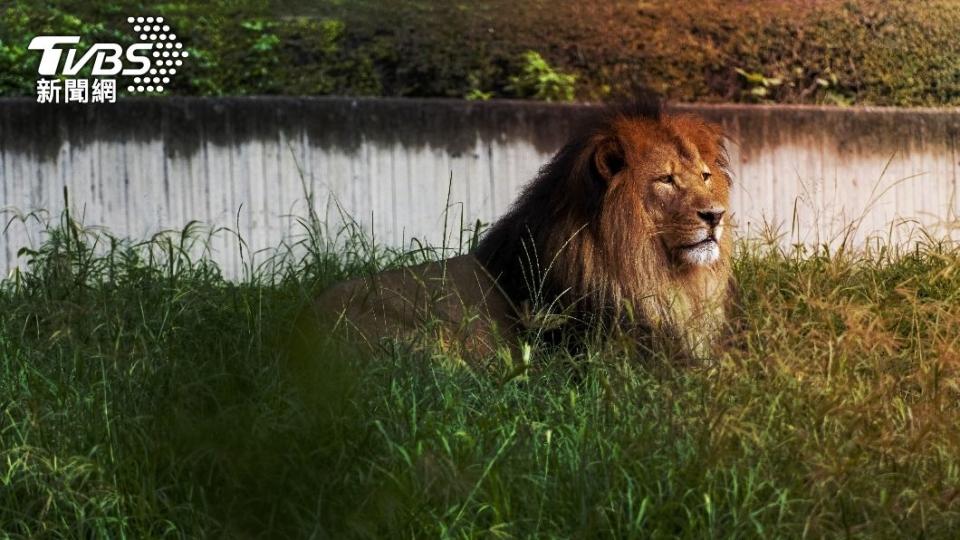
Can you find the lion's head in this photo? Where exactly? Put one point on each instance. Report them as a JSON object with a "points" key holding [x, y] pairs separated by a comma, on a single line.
{"points": [[628, 219]]}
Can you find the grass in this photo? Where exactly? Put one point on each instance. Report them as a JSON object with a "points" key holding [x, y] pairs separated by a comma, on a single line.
{"points": [[142, 395]]}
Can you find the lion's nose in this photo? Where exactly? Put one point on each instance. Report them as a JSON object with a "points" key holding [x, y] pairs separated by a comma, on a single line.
{"points": [[711, 216]]}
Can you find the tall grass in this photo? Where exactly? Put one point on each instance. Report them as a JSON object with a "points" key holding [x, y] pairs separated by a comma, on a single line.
{"points": [[142, 395]]}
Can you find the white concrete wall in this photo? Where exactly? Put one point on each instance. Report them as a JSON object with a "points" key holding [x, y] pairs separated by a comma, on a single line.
{"points": [[810, 171]]}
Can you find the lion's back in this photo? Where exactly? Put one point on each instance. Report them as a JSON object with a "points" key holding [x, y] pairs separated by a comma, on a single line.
{"points": [[455, 300]]}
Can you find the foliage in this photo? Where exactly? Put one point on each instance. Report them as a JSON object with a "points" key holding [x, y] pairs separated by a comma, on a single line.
{"points": [[20, 23], [236, 48], [538, 80], [825, 51], [146, 396]]}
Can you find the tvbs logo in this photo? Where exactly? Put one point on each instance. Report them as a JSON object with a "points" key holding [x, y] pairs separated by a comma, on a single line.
{"points": [[150, 63]]}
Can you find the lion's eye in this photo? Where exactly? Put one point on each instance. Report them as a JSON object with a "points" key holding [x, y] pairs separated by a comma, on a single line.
{"points": [[667, 179], [706, 176]]}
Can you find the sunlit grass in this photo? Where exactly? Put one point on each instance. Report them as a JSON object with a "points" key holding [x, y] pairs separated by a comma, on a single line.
{"points": [[143, 395]]}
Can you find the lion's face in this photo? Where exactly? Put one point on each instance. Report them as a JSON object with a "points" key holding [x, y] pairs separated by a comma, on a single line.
{"points": [[672, 177]]}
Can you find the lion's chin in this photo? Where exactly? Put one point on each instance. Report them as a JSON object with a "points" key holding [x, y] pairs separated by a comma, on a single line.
{"points": [[704, 253]]}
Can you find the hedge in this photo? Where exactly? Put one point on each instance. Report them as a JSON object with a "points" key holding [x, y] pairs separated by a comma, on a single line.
{"points": [[797, 51]]}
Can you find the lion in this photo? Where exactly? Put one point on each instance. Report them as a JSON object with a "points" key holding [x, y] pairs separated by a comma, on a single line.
{"points": [[627, 225], [454, 304]]}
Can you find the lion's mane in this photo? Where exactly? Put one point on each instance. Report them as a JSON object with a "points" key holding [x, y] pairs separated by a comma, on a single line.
{"points": [[572, 244]]}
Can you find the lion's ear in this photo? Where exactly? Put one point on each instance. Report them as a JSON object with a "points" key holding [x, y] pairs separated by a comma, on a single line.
{"points": [[608, 158]]}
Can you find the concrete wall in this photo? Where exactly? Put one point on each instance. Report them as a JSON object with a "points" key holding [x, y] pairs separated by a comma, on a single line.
{"points": [[144, 165]]}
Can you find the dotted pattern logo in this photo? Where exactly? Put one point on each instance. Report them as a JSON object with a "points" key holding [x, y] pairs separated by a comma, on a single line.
{"points": [[166, 56]]}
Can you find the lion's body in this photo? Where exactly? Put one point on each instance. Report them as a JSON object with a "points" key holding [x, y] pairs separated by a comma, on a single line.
{"points": [[623, 226], [454, 303]]}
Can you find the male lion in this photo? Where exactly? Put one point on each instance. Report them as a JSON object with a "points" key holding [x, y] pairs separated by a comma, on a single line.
{"points": [[626, 225]]}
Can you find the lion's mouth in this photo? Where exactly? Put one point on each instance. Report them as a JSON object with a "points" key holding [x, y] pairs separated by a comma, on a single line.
{"points": [[702, 253], [702, 243]]}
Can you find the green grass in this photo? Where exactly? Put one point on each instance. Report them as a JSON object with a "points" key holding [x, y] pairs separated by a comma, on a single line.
{"points": [[142, 395]]}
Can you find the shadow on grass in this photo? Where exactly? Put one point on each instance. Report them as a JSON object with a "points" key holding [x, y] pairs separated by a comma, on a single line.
{"points": [[143, 395]]}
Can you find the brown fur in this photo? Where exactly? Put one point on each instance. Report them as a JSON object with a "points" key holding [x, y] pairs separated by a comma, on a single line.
{"points": [[453, 304], [596, 237]]}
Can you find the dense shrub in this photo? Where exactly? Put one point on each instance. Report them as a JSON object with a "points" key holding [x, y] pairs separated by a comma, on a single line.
{"points": [[825, 51]]}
